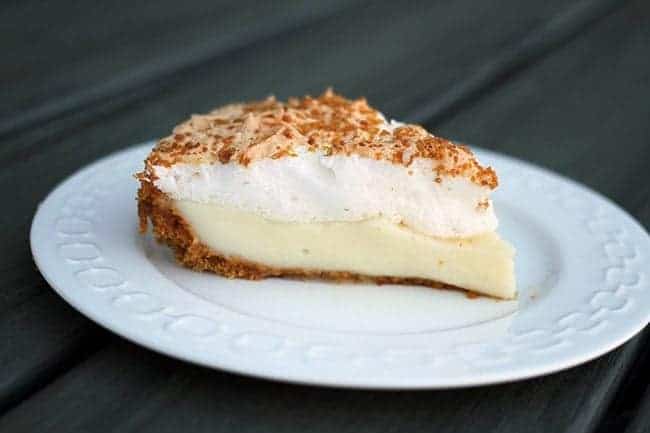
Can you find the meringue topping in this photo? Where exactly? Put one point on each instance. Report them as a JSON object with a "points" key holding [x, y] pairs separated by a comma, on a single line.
{"points": [[329, 124], [325, 159]]}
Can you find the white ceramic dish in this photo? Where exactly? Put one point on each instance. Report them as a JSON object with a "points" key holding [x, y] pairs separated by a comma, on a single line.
{"points": [[582, 268]]}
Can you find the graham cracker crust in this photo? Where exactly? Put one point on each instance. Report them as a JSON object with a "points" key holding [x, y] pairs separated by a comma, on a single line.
{"points": [[171, 229]]}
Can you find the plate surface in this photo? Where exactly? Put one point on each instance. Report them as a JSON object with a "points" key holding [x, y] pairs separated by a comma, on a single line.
{"points": [[582, 270]]}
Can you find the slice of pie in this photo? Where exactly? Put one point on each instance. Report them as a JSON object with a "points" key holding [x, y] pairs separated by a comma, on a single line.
{"points": [[324, 188]]}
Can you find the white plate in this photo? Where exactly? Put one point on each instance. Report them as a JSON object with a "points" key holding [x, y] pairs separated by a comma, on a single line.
{"points": [[582, 269]]}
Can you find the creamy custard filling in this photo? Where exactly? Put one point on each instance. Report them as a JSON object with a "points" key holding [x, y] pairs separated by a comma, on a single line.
{"points": [[373, 247]]}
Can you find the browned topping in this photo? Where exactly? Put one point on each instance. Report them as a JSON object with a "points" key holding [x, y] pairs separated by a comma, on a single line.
{"points": [[329, 124], [483, 205], [225, 153]]}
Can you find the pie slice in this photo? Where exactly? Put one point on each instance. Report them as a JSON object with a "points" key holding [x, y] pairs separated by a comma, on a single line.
{"points": [[324, 188]]}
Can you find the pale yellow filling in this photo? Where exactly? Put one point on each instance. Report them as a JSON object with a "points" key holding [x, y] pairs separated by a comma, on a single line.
{"points": [[373, 247]]}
